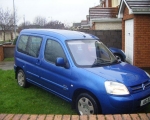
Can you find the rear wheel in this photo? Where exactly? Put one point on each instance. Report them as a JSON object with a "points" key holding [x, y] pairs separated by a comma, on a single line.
{"points": [[21, 79], [86, 104]]}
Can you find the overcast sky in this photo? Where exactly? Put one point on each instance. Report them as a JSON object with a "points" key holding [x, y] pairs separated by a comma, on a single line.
{"points": [[66, 11]]}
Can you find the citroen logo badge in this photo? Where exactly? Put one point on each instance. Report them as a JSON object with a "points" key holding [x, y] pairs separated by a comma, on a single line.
{"points": [[143, 86]]}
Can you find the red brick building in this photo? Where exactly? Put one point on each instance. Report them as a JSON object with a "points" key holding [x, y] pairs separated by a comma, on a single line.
{"points": [[104, 16], [136, 31]]}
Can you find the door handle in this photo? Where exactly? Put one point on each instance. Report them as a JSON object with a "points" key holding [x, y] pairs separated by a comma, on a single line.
{"points": [[38, 61], [65, 87]]}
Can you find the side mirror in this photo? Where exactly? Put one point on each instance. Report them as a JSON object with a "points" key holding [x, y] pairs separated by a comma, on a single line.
{"points": [[61, 62], [118, 58]]}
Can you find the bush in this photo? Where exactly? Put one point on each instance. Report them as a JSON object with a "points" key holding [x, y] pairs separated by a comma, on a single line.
{"points": [[15, 40]]}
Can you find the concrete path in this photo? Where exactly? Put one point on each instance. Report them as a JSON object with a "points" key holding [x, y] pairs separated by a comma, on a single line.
{"points": [[7, 65]]}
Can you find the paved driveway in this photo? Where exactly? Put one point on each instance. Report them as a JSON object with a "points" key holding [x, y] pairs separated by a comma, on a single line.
{"points": [[7, 65]]}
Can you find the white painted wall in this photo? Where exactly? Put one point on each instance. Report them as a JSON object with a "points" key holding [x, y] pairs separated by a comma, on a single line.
{"points": [[115, 3], [108, 26]]}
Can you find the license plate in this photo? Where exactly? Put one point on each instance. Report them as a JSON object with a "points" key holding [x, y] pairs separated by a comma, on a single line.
{"points": [[145, 101]]}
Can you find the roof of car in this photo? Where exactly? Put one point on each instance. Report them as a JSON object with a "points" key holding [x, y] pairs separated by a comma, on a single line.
{"points": [[60, 34]]}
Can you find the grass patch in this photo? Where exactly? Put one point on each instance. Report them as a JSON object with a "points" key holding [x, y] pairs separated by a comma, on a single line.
{"points": [[9, 59], [32, 100]]}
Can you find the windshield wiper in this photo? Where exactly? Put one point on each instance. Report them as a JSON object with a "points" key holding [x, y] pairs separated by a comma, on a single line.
{"points": [[96, 65], [100, 62]]}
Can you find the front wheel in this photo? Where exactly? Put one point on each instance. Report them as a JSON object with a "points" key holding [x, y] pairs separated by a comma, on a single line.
{"points": [[86, 104], [21, 79]]}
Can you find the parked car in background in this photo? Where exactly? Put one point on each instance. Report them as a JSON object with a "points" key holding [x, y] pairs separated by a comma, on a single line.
{"points": [[118, 53], [79, 68]]}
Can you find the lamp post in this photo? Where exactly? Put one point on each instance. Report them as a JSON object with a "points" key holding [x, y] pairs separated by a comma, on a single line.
{"points": [[14, 18], [24, 21]]}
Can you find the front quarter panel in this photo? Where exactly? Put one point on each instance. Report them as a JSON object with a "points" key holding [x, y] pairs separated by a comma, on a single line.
{"points": [[84, 80]]}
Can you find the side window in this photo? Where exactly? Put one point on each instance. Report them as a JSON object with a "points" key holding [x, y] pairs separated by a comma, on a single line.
{"points": [[29, 45], [22, 43], [53, 50], [33, 46]]}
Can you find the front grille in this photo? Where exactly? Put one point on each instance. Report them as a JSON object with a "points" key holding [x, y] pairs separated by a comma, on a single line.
{"points": [[141, 87]]}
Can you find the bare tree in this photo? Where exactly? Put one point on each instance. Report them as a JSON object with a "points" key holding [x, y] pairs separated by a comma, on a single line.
{"points": [[55, 25], [40, 21], [24, 25], [6, 20]]}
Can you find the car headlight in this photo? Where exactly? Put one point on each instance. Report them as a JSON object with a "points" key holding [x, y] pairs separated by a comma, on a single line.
{"points": [[116, 88], [147, 74]]}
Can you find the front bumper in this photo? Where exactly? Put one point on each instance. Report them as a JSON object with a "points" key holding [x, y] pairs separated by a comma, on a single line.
{"points": [[112, 104]]}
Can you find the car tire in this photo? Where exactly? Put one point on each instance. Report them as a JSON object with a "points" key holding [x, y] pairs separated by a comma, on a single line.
{"points": [[86, 104], [119, 57], [21, 79]]}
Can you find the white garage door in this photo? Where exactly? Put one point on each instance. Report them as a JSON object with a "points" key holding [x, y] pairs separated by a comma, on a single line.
{"points": [[129, 43]]}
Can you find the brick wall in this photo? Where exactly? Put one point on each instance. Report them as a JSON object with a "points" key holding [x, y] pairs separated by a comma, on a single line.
{"points": [[141, 38], [111, 38], [140, 116], [1, 53], [8, 51]]}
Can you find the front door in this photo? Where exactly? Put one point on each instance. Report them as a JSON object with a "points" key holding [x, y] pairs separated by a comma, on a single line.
{"points": [[55, 78]]}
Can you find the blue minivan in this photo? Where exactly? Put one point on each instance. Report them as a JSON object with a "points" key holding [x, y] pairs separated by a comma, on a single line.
{"points": [[79, 68]]}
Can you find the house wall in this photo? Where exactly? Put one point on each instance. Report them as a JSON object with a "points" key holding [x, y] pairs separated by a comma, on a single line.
{"points": [[8, 35], [93, 26], [1, 38], [108, 3], [141, 38], [115, 3], [108, 26]]}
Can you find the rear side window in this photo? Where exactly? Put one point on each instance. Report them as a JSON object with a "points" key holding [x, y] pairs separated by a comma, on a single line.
{"points": [[29, 45], [53, 50], [22, 43]]}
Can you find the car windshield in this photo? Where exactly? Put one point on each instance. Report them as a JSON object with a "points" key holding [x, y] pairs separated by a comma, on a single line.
{"points": [[90, 53]]}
